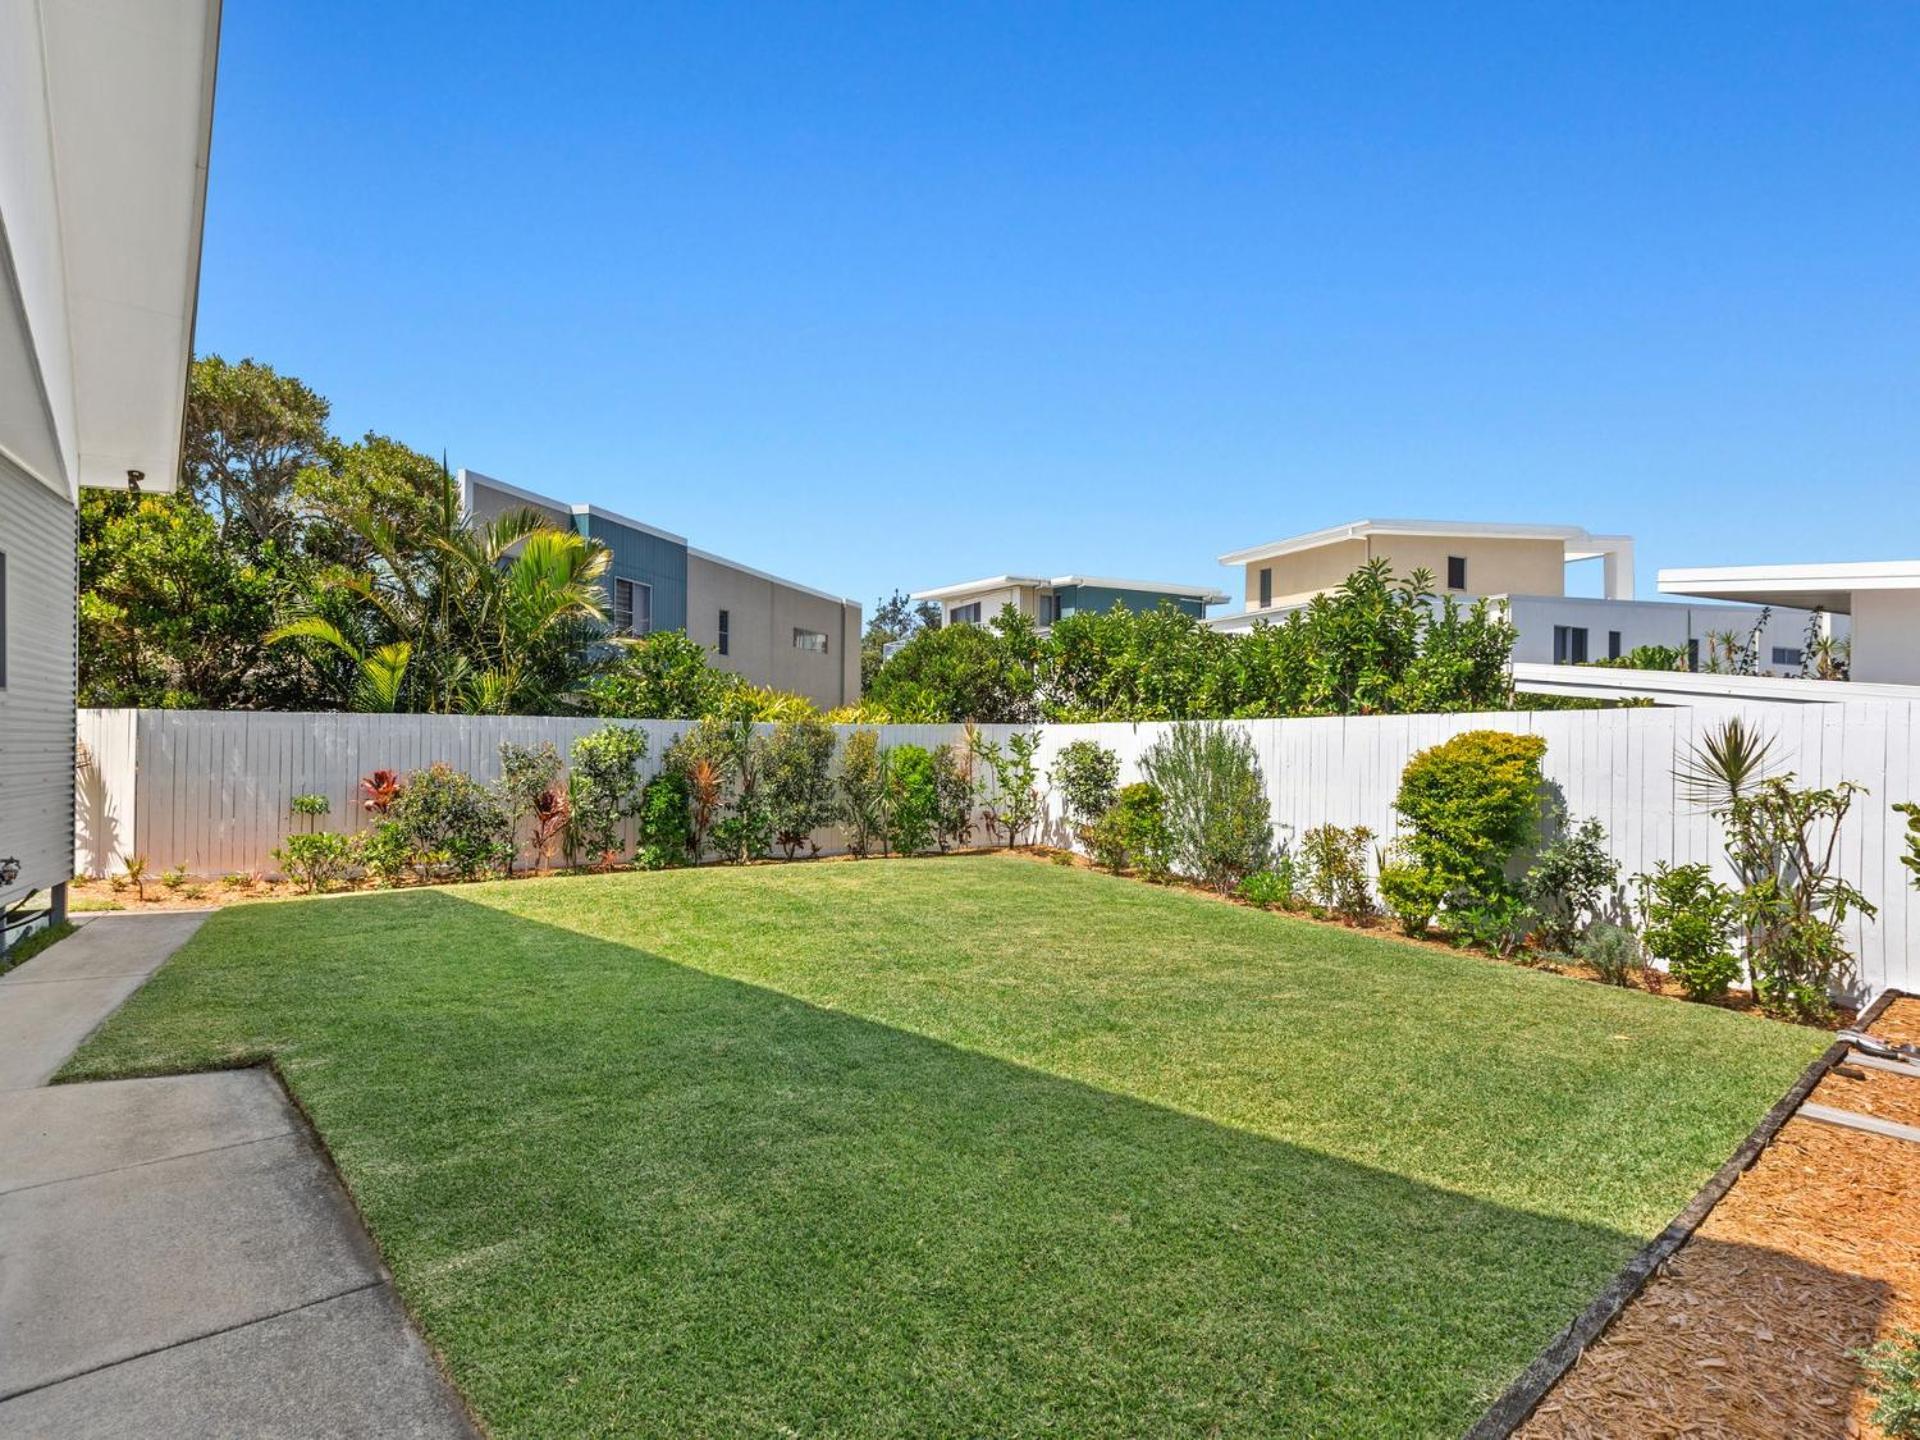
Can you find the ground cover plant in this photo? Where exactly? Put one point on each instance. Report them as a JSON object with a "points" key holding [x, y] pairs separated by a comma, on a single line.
{"points": [[959, 1146]]}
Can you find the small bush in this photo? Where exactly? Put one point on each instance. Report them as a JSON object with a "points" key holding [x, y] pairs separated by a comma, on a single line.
{"points": [[529, 785], [317, 861], [799, 782], [452, 821], [913, 799], [176, 877], [1333, 860], [1016, 782], [953, 796], [1470, 803], [863, 793], [1613, 952], [1499, 923], [1893, 1370], [1217, 815], [1086, 773], [1271, 888], [1689, 922], [311, 806], [379, 790], [1570, 880], [1413, 893], [744, 829], [386, 852], [603, 790], [1133, 833], [666, 828]]}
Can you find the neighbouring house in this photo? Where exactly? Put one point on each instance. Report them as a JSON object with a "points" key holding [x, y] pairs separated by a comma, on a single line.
{"points": [[767, 630], [106, 113], [1523, 567], [1045, 601], [1880, 598]]}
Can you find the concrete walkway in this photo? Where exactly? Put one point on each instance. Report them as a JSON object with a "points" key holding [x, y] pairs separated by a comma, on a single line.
{"points": [[176, 1256]]}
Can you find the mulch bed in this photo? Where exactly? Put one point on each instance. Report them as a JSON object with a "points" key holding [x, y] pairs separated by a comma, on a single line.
{"points": [[1750, 1328]]}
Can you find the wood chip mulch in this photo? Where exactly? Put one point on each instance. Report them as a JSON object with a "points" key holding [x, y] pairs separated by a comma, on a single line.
{"points": [[1749, 1329]]}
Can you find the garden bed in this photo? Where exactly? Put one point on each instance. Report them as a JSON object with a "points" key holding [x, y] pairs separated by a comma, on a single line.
{"points": [[1752, 1327]]}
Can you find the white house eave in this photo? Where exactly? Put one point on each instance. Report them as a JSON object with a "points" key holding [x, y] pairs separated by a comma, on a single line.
{"points": [[1821, 586], [1206, 594], [129, 103]]}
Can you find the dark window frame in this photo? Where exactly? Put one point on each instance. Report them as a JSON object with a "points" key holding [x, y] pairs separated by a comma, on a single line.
{"points": [[1613, 644], [725, 632], [1456, 572], [1569, 644], [1266, 586], [801, 635]]}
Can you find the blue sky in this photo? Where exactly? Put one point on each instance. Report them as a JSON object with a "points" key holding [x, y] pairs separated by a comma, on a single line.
{"points": [[878, 295]]}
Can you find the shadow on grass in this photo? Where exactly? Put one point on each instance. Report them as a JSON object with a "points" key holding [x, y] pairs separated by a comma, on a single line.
{"points": [[625, 1196]]}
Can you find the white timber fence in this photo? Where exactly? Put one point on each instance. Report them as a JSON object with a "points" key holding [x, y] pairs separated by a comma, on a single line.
{"points": [[212, 790]]}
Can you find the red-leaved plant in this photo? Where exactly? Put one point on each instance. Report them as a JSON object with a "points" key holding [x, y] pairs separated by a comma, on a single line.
{"points": [[550, 812], [382, 788]]}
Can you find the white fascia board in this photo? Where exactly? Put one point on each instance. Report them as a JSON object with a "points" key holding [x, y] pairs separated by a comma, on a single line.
{"points": [[129, 95], [992, 582], [769, 577], [1682, 687], [1570, 535]]}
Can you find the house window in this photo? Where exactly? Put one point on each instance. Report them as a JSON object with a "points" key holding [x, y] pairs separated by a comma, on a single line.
{"points": [[1693, 654], [724, 638], [632, 608], [1266, 588], [1569, 645], [1049, 609], [1456, 572], [1613, 644], [813, 640], [964, 614], [1787, 655]]}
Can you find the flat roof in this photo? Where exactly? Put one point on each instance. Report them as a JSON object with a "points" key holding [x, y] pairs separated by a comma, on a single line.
{"points": [[1807, 587], [1581, 544], [1208, 594]]}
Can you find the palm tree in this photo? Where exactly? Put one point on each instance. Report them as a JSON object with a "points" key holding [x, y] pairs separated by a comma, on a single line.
{"points": [[379, 676], [1728, 762]]}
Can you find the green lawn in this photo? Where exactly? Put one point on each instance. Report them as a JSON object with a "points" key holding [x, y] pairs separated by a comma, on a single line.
{"points": [[970, 1147]]}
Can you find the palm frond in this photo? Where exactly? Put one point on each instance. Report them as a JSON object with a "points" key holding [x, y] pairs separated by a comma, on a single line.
{"points": [[1727, 762]]}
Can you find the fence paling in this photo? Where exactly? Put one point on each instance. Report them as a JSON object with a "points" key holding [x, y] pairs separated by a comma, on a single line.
{"points": [[212, 789]]}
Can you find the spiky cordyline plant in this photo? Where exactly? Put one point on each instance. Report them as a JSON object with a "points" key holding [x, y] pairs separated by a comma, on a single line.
{"points": [[1724, 765]]}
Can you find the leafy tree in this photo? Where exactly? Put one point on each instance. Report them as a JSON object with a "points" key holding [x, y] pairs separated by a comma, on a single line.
{"points": [[1085, 772], [663, 676], [863, 793], [912, 797], [170, 614], [250, 432], [983, 673], [1015, 805], [604, 788], [894, 619]]}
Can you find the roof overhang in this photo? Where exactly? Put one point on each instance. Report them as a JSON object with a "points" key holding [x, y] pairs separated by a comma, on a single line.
{"points": [[1580, 543], [1805, 587], [104, 141], [1205, 594]]}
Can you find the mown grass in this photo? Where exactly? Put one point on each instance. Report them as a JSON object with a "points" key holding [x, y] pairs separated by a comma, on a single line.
{"points": [[960, 1147]]}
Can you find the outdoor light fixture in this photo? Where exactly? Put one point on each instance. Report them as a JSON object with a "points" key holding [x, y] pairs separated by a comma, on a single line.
{"points": [[134, 477], [9, 870]]}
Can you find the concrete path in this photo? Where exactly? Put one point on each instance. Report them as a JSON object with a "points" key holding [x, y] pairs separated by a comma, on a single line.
{"points": [[177, 1258]]}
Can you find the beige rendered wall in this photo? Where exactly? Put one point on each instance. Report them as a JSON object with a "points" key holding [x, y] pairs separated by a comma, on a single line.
{"points": [[761, 618], [1023, 598], [1494, 566]]}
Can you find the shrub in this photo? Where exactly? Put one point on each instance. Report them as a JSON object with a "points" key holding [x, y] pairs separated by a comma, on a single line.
{"points": [[913, 800], [1613, 952], [1499, 923], [1334, 861], [953, 790], [136, 868], [529, 787], [863, 793], [1784, 845], [379, 790], [1133, 832], [310, 807], [1470, 804], [385, 851], [315, 861], [666, 827], [603, 790], [1016, 781], [744, 831], [799, 782], [1689, 923], [1086, 774], [1569, 881], [1271, 888], [704, 755], [1893, 1370], [1217, 815], [451, 820], [666, 675], [1413, 893], [176, 877]]}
